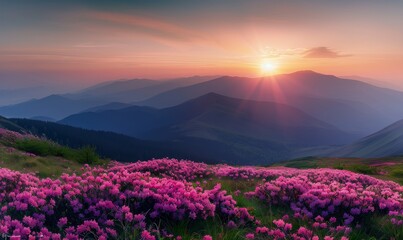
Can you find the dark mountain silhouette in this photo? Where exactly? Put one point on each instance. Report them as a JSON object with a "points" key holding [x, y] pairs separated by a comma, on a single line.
{"points": [[7, 124], [216, 117], [351, 105], [112, 145], [386, 142], [127, 149]]}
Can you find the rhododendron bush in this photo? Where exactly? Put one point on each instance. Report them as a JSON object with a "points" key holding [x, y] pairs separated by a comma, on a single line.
{"points": [[7, 136], [103, 203], [334, 195], [143, 199]]}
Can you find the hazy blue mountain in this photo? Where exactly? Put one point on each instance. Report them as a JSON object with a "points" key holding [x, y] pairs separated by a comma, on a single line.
{"points": [[375, 82], [350, 105], [126, 91], [103, 96], [53, 107], [111, 88], [14, 96], [108, 106], [218, 118], [386, 142]]}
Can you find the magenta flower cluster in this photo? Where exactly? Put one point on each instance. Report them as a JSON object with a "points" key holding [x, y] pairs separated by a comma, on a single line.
{"points": [[168, 168], [246, 173], [120, 200], [7, 136], [105, 204], [333, 195], [284, 230]]}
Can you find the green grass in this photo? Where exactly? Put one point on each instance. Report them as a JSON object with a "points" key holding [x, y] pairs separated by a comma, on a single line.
{"points": [[45, 158], [45, 148], [52, 160], [49, 166], [358, 168]]}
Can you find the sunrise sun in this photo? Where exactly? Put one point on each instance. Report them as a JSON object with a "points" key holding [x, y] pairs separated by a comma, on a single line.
{"points": [[268, 67]]}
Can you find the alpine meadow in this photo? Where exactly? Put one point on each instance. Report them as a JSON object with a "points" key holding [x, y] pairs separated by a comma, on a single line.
{"points": [[201, 120]]}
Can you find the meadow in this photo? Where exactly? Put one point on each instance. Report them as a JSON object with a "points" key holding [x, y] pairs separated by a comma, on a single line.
{"points": [[181, 199]]}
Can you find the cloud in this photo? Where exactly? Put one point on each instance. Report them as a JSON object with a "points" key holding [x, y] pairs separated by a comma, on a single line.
{"points": [[148, 26], [323, 52], [277, 52]]}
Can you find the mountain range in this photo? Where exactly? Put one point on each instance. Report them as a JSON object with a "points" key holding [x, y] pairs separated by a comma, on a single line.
{"points": [[56, 107], [126, 91], [233, 119], [350, 105], [216, 117]]}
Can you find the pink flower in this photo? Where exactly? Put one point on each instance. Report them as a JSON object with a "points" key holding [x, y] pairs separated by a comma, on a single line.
{"points": [[207, 237], [250, 236], [279, 223], [146, 235], [288, 227], [62, 222]]}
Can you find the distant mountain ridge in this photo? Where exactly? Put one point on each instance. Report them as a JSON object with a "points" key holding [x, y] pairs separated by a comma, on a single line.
{"points": [[53, 106], [341, 102], [126, 91], [98, 96], [260, 120], [266, 130], [386, 142]]}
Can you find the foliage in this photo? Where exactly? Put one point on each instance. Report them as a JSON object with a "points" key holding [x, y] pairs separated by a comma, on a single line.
{"points": [[180, 199], [87, 155], [155, 200]]}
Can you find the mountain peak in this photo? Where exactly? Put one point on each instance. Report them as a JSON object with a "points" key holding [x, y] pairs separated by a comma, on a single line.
{"points": [[306, 73]]}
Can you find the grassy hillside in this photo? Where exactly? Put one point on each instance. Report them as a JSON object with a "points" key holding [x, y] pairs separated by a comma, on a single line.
{"points": [[30, 154], [43, 166], [7, 124], [389, 168], [240, 201], [171, 199]]}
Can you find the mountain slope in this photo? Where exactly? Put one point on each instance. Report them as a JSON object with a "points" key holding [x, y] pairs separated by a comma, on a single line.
{"points": [[112, 88], [109, 106], [14, 96], [54, 106], [109, 95], [386, 142], [127, 91], [216, 117], [7, 124], [341, 102], [115, 146], [123, 148]]}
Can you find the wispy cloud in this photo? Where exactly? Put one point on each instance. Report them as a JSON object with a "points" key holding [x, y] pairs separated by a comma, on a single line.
{"points": [[93, 45], [141, 25], [323, 52], [277, 52]]}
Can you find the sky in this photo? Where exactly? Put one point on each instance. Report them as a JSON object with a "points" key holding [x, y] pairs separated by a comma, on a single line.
{"points": [[70, 44]]}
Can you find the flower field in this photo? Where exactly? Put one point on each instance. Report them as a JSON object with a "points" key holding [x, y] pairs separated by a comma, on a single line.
{"points": [[149, 200], [181, 199]]}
